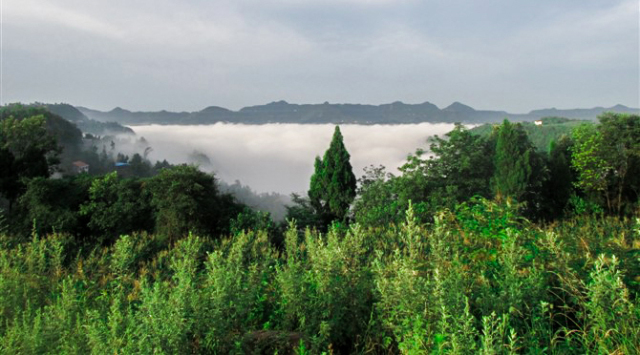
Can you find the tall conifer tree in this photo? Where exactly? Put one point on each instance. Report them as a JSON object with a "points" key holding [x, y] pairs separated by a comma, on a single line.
{"points": [[317, 188], [333, 184], [513, 162]]}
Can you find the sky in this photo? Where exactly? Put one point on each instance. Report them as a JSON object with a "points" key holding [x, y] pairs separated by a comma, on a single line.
{"points": [[186, 55]]}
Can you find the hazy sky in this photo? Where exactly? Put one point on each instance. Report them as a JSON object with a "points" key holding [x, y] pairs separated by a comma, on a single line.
{"points": [[189, 54]]}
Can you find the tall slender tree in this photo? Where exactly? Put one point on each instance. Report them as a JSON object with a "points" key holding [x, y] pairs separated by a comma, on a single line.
{"points": [[519, 170], [317, 187], [559, 187], [333, 184]]}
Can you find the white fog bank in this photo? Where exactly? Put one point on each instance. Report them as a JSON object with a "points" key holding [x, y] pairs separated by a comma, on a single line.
{"points": [[279, 157]]}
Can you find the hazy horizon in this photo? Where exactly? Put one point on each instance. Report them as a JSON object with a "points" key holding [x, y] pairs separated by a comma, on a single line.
{"points": [[279, 157], [356, 103], [184, 56]]}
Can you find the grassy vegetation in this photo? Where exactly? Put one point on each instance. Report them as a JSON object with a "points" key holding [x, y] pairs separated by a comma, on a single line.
{"points": [[477, 280], [437, 260]]}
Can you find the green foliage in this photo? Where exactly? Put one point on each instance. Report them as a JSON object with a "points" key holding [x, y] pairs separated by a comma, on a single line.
{"points": [[51, 205], [333, 185], [63, 132], [27, 150], [457, 167], [513, 162], [238, 291], [588, 158], [552, 129], [23, 136], [116, 206], [139, 166], [580, 206], [610, 319], [376, 204], [488, 219], [478, 278], [499, 285], [505, 164], [250, 220], [318, 284], [462, 166], [98, 210], [607, 159], [303, 213], [558, 188], [4, 225], [40, 142], [185, 199]]}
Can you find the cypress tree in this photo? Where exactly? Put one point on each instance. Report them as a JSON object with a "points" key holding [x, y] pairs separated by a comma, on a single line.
{"points": [[317, 187], [512, 162], [559, 187], [333, 184]]}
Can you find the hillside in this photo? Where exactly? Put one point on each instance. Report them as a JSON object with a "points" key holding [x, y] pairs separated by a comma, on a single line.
{"points": [[394, 113], [84, 123], [65, 131], [552, 129]]}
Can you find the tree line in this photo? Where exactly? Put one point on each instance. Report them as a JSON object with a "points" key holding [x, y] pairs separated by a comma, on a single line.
{"points": [[592, 169], [98, 207]]}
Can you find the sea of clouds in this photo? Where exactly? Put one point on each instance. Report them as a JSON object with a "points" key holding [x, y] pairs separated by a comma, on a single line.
{"points": [[280, 157]]}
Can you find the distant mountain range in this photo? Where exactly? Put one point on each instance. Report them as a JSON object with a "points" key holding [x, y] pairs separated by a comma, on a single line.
{"points": [[394, 113], [84, 123]]}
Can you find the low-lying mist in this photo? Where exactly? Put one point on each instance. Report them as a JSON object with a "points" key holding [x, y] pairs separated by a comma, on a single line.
{"points": [[279, 157]]}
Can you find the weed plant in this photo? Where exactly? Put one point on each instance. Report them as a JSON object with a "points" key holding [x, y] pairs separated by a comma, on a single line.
{"points": [[477, 280]]}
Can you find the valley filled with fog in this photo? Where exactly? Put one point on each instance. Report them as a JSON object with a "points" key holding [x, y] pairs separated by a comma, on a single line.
{"points": [[279, 157]]}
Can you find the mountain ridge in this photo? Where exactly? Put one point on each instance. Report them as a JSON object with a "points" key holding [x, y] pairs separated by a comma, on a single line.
{"points": [[84, 123], [393, 113]]}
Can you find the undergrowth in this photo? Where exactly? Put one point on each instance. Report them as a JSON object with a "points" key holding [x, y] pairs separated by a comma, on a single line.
{"points": [[467, 283]]}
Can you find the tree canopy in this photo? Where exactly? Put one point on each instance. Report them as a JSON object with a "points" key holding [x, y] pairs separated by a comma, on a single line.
{"points": [[333, 184], [607, 160], [186, 199], [27, 150]]}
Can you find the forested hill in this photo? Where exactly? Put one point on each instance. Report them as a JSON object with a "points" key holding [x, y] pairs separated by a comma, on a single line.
{"points": [[84, 123], [394, 113], [541, 136]]}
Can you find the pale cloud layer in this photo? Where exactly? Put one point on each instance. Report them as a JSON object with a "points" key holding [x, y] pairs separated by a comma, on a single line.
{"points": [[280, 157], [186, 55]]}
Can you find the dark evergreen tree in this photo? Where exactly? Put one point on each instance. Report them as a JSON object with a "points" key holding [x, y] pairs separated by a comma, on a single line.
{"points": [[333, 184], [512, 162], [559, 187], [462, 167], [9, 178], [317, 188], [185, 199], [27, 150], [52, 205], [139, 166], [520, 171]]}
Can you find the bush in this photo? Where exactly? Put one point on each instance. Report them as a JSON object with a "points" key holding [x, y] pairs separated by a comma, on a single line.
{"points": [[477, 280]]}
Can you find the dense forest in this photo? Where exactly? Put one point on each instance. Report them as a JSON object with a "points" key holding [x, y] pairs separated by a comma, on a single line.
{"points": [[510, 238]]}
